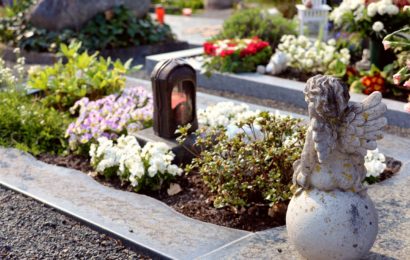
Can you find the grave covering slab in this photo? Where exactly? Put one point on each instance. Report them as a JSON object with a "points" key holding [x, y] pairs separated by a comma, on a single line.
{"points": [[137, 218]]}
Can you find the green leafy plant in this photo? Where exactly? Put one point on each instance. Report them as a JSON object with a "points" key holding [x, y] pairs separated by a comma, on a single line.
{"points": [[29, 126], [119, 28], [253, 165], [82, 75], [116, 28], [254, 22]]}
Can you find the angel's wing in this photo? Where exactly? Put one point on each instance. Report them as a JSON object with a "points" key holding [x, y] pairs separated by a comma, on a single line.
{"points": [[363, 125]]}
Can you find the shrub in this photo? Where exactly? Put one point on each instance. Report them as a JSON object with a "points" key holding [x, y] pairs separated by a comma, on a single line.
{"points": [[254, 22], [83, 75], [116, 28], [27, 125], [251, 163], [109, 117], [236, 55], [148, 167], [121, 28]]}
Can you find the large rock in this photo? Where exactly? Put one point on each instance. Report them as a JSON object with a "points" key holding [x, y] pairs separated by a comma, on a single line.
{"points": [[55, 15]]}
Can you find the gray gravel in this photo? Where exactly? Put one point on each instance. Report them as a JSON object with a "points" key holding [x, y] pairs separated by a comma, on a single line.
{"points": [[31, 230]]}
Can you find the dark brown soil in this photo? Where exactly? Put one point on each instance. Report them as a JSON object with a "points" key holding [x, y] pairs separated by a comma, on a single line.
{"points": [[196, 201]]}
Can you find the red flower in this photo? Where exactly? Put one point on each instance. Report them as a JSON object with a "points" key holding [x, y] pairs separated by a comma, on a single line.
{"points": [[225, 53], [209, 48]]}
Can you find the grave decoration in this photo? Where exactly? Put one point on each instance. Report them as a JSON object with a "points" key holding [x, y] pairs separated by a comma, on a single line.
{"points": [[313, 12], [174, 91], [330, 202], [174, 97]]}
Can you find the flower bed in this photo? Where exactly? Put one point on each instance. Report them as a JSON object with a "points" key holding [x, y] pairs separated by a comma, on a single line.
{"points": [[83, 118], [195, 195], [236, 55]]}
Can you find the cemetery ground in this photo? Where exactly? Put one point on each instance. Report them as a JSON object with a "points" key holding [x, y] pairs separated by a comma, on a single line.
{"points": [[154, 227], [200, 154]]}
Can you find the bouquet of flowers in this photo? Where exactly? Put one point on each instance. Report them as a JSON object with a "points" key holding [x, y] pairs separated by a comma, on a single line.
{"points": [[400, 41], [374, 18], [236, 55]]}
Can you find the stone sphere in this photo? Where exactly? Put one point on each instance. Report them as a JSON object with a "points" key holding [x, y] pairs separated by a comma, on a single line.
{"points": [[332, 225]]}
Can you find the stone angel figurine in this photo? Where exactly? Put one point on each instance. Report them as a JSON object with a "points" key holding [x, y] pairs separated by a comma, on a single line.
{"points": [[338, 136]]}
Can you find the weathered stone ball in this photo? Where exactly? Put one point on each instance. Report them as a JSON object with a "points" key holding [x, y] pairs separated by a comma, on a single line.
{"points": [[332, 225]]}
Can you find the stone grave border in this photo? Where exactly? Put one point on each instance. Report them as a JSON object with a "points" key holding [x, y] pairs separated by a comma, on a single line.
{"points": [[268, 87]]}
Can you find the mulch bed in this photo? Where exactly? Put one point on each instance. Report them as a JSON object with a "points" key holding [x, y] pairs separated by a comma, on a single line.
{"points": [[196, 201]]}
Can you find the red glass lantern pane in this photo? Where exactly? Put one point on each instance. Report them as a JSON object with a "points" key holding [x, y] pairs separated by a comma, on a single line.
{"points": [[181, 103]]}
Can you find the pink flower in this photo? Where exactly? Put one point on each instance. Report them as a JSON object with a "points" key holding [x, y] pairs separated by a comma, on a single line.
{"points": [[407, 84], [386, 44], [408, 63], [396, 78], [407, 107]]}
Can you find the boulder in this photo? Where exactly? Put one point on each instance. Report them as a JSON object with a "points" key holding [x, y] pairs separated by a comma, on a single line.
{"points": [[55, 15]]}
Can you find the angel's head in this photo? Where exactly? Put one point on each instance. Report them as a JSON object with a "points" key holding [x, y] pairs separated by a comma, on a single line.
{"points": [[327, 97]]}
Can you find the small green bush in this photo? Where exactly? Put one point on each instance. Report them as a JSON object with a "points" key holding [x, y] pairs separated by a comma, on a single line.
{"points": [[27, 125], [254, 22], [121, 30], [82, 75], [117, 28], [253, 166]]}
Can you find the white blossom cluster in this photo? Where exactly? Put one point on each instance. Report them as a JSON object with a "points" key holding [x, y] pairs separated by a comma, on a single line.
{"points": [[308, 56], [358, 9], [11, 77], [375, 163], [132, 163], [224, 114]]}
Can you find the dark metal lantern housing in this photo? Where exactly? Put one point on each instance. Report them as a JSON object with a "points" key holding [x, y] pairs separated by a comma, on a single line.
{"points": [[174, 91]]}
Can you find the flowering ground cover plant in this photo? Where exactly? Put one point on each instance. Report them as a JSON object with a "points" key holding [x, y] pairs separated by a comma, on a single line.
{"points": [[82, 75], [109, 117], [236, 55], [224, 114], [147, 167], [314, 57]]}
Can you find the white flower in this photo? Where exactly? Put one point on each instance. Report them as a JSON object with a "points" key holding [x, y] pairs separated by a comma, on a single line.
{"points": [[374, 161], [133, 162], [372, 9], [382, 9], [392, 9], [331, 42], [378, 26]]}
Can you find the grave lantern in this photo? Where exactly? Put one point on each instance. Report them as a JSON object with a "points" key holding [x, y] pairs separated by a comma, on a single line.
{"points": [[174, 96], [313, 12]]}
